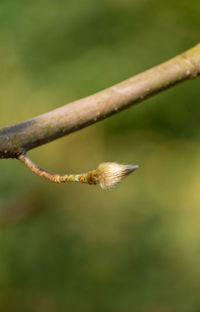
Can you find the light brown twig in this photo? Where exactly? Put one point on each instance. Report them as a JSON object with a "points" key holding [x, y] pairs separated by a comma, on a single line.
{"points": [[107, 175]]}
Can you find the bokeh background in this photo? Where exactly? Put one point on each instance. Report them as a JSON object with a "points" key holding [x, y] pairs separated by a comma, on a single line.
{"points": [[75, 247]]}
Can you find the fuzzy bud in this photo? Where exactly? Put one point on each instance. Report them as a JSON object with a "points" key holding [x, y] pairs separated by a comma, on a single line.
{"points": [[109, 174]]}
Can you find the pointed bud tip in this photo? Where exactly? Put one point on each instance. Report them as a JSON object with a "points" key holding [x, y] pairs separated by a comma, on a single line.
{"points": [[111, 174], [132, 167]]}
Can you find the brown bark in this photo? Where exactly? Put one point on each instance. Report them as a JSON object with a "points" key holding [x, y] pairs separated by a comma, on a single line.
{"points": [[19, 138]]}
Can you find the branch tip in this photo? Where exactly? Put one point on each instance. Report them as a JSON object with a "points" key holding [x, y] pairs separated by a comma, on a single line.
{"points": [[107, 175]]}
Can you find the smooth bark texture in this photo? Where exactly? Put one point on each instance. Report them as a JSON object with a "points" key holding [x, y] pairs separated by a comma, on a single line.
{"points": [[19, 138]]}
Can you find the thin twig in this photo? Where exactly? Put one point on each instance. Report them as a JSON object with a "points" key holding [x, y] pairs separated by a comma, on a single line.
{"points": [[107, 175]]}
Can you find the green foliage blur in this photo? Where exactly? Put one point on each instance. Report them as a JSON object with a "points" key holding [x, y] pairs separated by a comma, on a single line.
{"points": [[76, 247]]}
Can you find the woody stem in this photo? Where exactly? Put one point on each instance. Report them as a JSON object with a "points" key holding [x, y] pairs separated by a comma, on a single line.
{"points": [[20, 138], [58, 178]]}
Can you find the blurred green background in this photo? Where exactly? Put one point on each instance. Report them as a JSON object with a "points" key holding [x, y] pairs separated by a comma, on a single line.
{"points": [[75, 247]]}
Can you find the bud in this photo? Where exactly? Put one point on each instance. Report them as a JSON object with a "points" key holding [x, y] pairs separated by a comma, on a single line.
{"points": [[108, 174]]}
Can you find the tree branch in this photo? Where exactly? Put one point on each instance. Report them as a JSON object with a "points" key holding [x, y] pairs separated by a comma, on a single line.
{"points": [[17, 139]]}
